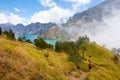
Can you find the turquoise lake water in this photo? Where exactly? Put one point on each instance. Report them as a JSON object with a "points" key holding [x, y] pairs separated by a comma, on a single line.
{"points": [[34, 36]]}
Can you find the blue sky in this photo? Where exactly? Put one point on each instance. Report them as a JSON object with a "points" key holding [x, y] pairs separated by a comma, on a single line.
{"points": [[44, 11]]}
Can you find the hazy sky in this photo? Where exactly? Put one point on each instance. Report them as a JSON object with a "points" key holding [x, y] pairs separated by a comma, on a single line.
{"points": [[44, 11]]}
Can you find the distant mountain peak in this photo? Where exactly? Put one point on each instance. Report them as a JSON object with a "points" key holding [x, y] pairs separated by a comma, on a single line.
{"points": [[33, 28], [86, 21], [19, 24]]}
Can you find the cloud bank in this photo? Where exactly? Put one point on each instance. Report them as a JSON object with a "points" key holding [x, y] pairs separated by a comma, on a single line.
{"points": [[11, 18], [109, 34], [55, 13], [105, 32]]}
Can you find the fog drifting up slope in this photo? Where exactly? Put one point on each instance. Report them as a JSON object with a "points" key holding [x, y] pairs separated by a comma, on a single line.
{"points": [[106, 32], [109, 33]]}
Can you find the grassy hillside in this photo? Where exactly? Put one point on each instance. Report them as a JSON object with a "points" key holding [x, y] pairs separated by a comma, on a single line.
{"points": [[23, 61], [105, 64]]}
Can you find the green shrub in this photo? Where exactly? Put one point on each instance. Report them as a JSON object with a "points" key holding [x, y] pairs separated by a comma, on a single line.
{"points": [[71, 49], [20, 39], [40, 43], [116, 59], [10, 34], [28, 40]]}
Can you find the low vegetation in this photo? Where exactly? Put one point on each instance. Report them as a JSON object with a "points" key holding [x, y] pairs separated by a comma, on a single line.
{"points": [[25, 61], [22, 61]]}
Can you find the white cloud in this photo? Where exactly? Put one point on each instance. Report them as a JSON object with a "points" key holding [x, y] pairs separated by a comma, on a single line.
{"points": [[48, 3], [3, 18], [76, 4], [55, 14], [16, 9], [11, 18], [110, 32], [19, 10], [78, 1]]}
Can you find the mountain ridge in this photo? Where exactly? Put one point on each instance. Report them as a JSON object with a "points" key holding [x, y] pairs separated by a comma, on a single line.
{"points": [[86, 22], [33, 28]]}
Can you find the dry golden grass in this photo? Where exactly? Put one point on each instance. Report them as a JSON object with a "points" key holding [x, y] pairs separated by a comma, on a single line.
{"points": [[23, 61]]}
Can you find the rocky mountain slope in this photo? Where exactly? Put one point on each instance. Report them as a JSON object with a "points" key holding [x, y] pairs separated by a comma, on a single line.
{"points": [[86, 22]]}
